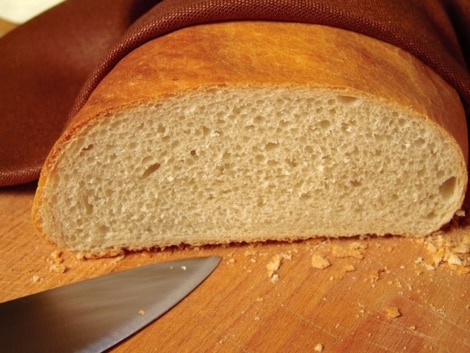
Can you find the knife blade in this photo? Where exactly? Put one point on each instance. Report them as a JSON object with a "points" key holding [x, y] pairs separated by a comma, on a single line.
{"points": [[96, 314]]}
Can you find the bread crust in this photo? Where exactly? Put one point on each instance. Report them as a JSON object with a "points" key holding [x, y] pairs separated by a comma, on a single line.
{"points": [[241, 54], [266, 54]]}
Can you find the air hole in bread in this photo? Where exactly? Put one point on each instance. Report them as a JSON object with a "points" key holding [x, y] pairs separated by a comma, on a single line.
{"points": [[271, 146], [342, 99], [448, 188], [260, 158], [87, 148], [324, 124], [150, 170]]}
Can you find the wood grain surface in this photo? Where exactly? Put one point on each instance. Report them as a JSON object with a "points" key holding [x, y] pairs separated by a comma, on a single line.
{"points": [[376, 295], [373, 294]]}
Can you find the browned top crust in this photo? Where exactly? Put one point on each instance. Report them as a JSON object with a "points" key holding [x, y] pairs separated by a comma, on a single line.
{"points": [[244, 54]]}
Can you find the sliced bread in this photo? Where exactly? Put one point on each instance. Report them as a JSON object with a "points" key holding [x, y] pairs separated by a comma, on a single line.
{"points": [[249, 131]]}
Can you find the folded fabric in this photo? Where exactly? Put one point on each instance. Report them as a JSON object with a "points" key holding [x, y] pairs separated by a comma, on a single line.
{"points": [[50, 65]]}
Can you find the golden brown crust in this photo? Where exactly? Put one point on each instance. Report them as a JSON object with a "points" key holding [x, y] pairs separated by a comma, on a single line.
{"points": [[244, 54]]}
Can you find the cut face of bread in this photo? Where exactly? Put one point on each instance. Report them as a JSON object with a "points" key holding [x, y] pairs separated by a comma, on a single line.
{"points": [[235, 157]]}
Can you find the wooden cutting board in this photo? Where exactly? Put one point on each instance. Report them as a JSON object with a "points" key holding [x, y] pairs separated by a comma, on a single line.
{"points": [[343, 295], [376, 295]]}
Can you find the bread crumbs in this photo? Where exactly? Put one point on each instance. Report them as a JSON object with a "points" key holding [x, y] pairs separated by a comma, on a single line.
{"points": [[36, 279], [58, 268], [274, 278], [318, 348], [451, 250], [375, 275], [392, 312], [275, 264], [355, 250], [56, 255], [320, 262]]}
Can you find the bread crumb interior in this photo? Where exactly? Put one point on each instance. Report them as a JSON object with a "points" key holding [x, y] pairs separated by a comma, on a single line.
{"points": [[219, 165]]}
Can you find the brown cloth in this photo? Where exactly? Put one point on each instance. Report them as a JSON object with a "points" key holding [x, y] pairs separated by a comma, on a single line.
{"points": [[50, 65]]}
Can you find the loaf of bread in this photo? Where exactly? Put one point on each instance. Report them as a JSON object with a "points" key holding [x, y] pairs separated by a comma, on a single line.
{"points": [[253, 131]]}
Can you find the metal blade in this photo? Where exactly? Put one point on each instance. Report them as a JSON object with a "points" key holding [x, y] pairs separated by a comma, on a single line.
{"points": [[95, 314]]}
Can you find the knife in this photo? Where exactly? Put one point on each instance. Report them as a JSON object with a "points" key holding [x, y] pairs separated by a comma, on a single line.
{"points": [[96, 314]]}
